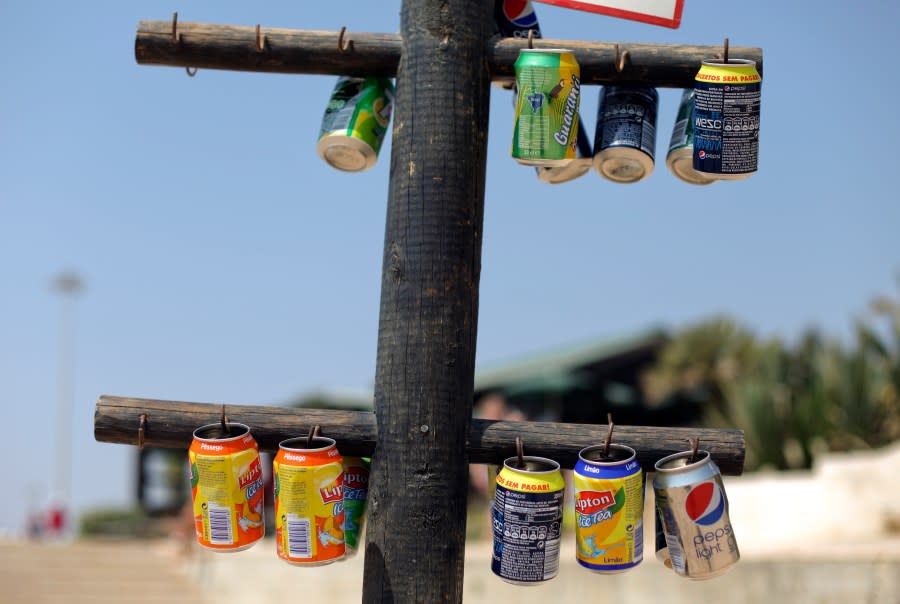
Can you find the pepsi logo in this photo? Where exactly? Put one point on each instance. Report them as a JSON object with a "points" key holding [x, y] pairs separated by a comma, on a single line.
{"points": [[520, 13], [702, 154], [705, 503]]}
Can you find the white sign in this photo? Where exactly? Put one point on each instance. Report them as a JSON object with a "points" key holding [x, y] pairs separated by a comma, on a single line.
{"points": [[657, 12]]}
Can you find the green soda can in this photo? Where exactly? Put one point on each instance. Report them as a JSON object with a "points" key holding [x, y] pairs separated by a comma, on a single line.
{"points": [[546, 126], [356, 493], [355, 122]]}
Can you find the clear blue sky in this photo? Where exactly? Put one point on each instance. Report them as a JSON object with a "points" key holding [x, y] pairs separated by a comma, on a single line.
{"points": [[226, 262]]}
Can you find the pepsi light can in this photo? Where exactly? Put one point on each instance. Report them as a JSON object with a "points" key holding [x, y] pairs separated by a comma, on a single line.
{"points": [[693, 510]]}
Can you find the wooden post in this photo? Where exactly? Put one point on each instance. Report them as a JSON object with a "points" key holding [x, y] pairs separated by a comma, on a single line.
{"points": [[425, 365]]}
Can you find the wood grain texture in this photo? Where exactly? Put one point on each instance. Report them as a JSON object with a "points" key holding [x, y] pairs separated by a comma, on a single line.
{"points": [[171, 424], [424, 375], [234, 48]]}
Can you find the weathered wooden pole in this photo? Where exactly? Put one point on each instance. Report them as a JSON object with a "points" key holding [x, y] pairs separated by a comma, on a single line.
{"points": [[425, 365]]}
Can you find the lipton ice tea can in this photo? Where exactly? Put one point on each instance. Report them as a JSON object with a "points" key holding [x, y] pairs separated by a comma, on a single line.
{"points": [[356, 494], [609, 509], [309, 501], [226, 487]]}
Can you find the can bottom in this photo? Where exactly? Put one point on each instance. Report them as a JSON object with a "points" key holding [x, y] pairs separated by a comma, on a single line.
{"points": [[346, 152], [729, 176], [315, 563], [623, 164], [229, 550], [613, 570], [527, 583], [549, 163], [576, 168], [712, 574], [681, 163]]}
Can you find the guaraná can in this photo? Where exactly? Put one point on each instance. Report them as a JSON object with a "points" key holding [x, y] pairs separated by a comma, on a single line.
{"points": [[549, 92], [625, 139], [726, 118], [527, 521], [680, 158], [226, 487], [693, 509], [309, 501], [609, 509], [355, 122], [356, 494]]}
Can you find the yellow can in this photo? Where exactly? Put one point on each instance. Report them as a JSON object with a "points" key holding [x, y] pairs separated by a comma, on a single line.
{"points": [[226, 487], [309, 501]]}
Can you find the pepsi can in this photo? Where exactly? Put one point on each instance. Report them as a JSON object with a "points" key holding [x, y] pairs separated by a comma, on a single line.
{"points": [[693, 511], [726, 118], [527, 520], [515, 18]]}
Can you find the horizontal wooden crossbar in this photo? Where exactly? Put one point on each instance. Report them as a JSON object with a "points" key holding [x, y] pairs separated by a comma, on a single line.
{"points": [[273, 50], [171, 424]]}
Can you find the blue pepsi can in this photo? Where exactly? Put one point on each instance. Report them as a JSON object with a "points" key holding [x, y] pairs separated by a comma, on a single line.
{"points": [[515, 18]]}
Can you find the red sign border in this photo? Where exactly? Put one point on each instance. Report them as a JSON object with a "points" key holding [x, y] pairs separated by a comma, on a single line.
{"points": [[674, 22]]}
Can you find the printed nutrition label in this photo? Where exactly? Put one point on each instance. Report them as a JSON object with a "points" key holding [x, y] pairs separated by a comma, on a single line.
{"points": [[726, 128], [526, 530]]}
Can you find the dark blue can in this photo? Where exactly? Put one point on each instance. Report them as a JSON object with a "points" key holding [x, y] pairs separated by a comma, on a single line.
{"points": [[515, 18], [726, 118]]}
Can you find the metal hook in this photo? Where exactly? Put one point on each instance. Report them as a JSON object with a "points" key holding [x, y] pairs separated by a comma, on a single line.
{"points": [[261, 41], [175, 36], [344, 47], [313, 433], [608, 434], [520, 452], [530, 39], [726, 50], [695, 444], [224, 421], [141, 428], [621, 58], [191, 71]]}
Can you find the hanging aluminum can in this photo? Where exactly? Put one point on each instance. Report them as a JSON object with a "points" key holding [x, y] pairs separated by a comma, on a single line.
{"points": [[609, 509], [680, 158], [726, 118], [693, 509], [226, 487], [356, 494], [546, 126], [309, 501], [625, 139], [527, 521], [355, 122]]}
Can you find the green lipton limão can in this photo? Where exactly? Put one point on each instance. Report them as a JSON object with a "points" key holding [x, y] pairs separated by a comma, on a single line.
{"points": [[549, 93], [355, 122]]}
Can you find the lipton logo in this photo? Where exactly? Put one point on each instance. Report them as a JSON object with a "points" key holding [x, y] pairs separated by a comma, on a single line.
{"points": [[591, 502], [251, 475], [356, 478], [331, 493]]}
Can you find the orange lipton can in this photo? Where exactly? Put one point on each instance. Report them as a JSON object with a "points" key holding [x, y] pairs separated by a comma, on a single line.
{"points": [[226, 487], [309, 501]]}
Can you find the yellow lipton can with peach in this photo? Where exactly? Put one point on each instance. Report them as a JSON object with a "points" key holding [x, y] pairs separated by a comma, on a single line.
{"points": [[309, 501], [226, 487]]}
